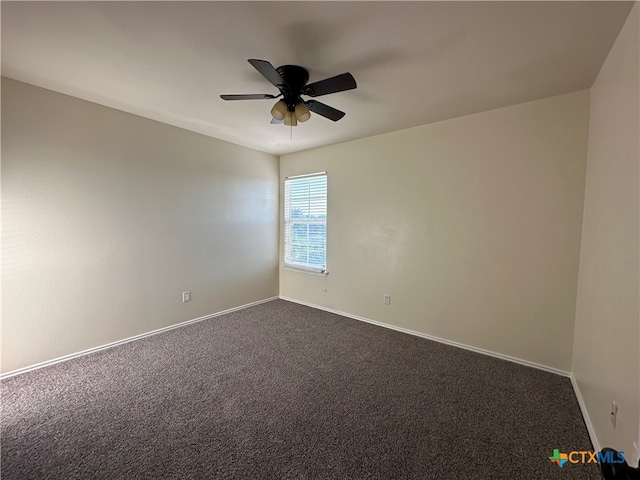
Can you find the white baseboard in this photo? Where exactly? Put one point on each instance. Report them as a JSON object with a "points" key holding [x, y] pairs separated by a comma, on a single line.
{"points": [[130, 339], [585, 414], [435, 339]]}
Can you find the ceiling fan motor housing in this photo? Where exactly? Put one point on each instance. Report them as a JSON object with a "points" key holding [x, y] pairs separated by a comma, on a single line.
{"points": [[296, 78]]}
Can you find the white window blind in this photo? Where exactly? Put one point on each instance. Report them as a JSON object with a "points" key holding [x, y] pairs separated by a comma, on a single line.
{"points": [[305, 222]]}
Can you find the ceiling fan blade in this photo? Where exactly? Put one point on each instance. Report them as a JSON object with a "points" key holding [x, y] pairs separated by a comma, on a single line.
{"points": [[275, 121], [324, 110], [248, 96], [268, 71], [339, 83]]}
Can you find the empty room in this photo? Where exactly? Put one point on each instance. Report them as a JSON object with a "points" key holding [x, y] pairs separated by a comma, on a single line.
{"points": [[320, 240]]}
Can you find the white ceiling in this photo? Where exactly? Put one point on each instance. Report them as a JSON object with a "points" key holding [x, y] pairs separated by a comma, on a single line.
{"points": [[415, 62]]}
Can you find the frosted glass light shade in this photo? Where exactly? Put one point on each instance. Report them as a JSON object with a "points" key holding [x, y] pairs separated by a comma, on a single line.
{"points": [[290, 119], [302, 112], [279, 110]]}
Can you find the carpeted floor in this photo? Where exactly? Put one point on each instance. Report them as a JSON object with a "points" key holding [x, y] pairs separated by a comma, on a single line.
{"points": [[280, 391]]}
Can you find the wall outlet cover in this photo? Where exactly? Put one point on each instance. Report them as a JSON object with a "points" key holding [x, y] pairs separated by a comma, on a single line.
{"points": [[614, 413]]}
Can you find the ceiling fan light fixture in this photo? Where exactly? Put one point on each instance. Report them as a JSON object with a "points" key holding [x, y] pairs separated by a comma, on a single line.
{"points": [[302, 112], [290, 119], [279, 110]]}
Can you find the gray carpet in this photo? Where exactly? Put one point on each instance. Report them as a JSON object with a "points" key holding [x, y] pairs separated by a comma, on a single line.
{"points": [[280, 391]]}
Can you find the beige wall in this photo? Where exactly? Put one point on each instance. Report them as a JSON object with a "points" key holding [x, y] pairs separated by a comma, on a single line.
{"points": [[472, 225], [606, 361], [107, 217]]}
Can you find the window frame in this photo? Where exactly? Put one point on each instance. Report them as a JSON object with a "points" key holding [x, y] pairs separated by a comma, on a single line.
{"points": [[297, 267]]}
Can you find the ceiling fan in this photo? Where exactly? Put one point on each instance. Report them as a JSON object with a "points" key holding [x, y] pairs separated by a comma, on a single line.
{"points": [[292, 80]]}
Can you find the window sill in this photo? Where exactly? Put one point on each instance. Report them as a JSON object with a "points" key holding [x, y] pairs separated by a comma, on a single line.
{"points": [[304, 270]]}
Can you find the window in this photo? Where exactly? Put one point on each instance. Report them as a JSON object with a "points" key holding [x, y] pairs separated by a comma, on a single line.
{"points": [[305, 222]]}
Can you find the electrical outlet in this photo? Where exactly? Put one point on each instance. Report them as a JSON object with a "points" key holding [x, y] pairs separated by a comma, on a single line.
{"points": [[387, 299], [186, 297], [614, 413]]}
